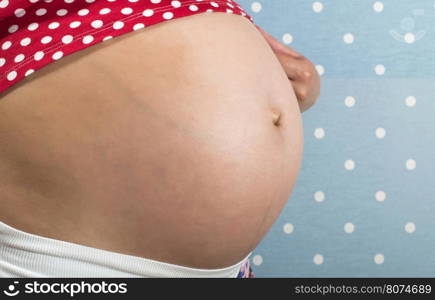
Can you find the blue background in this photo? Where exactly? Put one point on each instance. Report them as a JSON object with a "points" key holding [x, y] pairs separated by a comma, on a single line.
{"points": [[385, 127]]}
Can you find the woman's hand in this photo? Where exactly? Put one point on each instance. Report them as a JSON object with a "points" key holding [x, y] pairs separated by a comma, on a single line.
{"points": [[300, 71]]}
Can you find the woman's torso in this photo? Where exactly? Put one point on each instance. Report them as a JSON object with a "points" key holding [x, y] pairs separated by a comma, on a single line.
{"points": [[160, 143]]}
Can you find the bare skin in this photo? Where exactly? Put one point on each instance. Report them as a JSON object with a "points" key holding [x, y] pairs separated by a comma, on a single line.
{"points": [[181, 149], [300, 71]]}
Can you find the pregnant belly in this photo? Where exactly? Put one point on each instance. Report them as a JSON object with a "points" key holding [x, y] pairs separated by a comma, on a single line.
{"points": [[180, 142]]}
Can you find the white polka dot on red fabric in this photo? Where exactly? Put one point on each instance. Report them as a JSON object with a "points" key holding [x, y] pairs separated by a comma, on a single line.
{"points": [[41, 12], [118, 25], [83, 12], [19, 58], [126, 11], [57, 55], [19, 12], [28, 72], [104, 11], [176, 3], [75, 24], [11, 75], [138, 26], [87, 39], [25, 42], [47, 30], [46, 39], [53, 25], [168, 15], [33, 26], [67, 39], [4, 3], [61, 12], [6, 45], [148, 13], [97, 23], [38, 55], [13, 28]]}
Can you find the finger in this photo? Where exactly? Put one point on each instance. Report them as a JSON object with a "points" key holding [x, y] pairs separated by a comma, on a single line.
{"points": [[300, 91], [306, 94], [302, 70], [302, 103], [277, 45], [291, 66]]}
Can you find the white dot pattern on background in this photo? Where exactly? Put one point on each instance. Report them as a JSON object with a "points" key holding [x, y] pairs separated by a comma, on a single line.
{"points": [[320, 69], [317, 7], [349, 227], [379, 259], [380, 69], [36, 33], [380, 132], [410, 101], [348, 38], [410, 227], [256, 7], [378, 6], [380, 196], [409, 38], [319, 196], [319, 133], [288, 228], [287, 38], [349, 101], [318, 259], [257, 259], [360, 190], [411, 164], [349, 165]]}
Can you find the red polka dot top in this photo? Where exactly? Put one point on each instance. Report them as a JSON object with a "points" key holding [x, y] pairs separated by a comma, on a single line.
{"points": [[34, 33]]}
